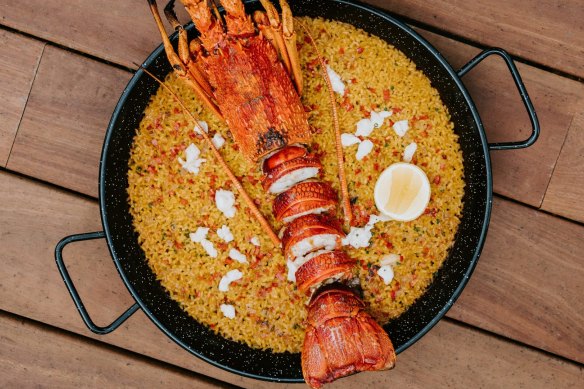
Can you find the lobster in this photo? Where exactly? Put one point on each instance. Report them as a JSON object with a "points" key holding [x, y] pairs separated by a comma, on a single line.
{"points": [[246, 70]]}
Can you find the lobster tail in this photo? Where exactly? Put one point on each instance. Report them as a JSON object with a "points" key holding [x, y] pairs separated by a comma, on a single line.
{"points": [[342, 339]]}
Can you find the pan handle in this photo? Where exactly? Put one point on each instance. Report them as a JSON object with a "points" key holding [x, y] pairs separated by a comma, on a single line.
{"points": [[73, 292], [522, 92]]}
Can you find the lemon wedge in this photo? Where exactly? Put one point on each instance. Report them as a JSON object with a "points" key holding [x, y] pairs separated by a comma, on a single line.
{"points": [[402, 191]]}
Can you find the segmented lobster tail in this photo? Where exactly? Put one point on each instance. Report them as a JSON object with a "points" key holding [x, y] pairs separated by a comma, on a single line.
{"points": [[342, 339]]}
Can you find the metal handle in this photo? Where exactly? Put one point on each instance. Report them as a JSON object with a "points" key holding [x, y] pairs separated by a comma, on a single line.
{"points": [[73, 292], [522, 92]]}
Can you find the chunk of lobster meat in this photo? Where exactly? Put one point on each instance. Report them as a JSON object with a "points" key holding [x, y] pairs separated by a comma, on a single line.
{"points": [[310, 233], [290, 173], [281, 156], [342, 338], [327, 266], [309, 197]]}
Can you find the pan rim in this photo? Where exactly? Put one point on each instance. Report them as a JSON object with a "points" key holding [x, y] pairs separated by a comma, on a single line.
{"points": [[457, 291]]}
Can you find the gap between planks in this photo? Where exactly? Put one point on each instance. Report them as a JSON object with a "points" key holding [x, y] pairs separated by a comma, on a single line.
{"points": [[36, 69], [67, 354]]}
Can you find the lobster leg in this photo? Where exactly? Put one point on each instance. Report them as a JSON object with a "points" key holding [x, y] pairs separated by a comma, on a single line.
{"points": [[290, 43], [178, 65], [188, 57], [263, 24], [282, 35], [276, 27]]}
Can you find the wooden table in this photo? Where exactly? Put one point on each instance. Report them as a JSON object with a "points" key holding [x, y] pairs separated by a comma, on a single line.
{"points": [[519, 322]]}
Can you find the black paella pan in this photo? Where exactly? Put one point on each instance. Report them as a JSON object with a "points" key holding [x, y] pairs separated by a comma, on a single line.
{"points": [[448, 283]]}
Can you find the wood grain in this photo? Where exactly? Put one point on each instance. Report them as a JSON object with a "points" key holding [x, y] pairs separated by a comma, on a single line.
{"points": [[31, 286], [63, 126], [528, 282], [121, 32], [519, 174], [550, 33], [32, 354], [565, 193], [19, 58], [476, 360]]}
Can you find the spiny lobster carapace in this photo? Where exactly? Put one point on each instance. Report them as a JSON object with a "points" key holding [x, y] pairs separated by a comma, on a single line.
{"points": [[248, 73]]}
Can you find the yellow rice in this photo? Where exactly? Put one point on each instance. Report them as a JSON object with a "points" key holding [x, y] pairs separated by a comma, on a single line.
{"points": [[168, 203]]}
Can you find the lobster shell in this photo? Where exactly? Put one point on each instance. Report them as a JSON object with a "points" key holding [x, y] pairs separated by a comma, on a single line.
{"points": [[307, 226], [322, 267], [342, 339], [281, 156], [273, 175], [304, 198]]}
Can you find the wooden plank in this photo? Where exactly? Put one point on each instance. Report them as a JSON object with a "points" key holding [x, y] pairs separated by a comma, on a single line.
{"points": [[528, 283], [520, 174], [19, 58], [33, 354], [472, 359], [63, 126], [549, 33], [31, 286], [566, 190], [121, 32]]}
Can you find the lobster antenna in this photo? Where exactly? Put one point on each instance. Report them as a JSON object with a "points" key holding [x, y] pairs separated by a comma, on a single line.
{"points": [[346, 203], [256, 212]]}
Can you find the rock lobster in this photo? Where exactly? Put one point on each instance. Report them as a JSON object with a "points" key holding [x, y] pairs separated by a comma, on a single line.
{"points": [[247, 71]]}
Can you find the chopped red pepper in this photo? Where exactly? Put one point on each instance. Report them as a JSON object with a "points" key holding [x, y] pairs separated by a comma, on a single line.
{"points": [[360, 50], [342, 50], [386, 95], [437, 179]]}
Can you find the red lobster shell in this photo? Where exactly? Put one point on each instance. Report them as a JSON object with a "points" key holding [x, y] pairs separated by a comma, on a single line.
{"points": [[329, 265], [307, 227], [304, 198], [342, 339]]}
